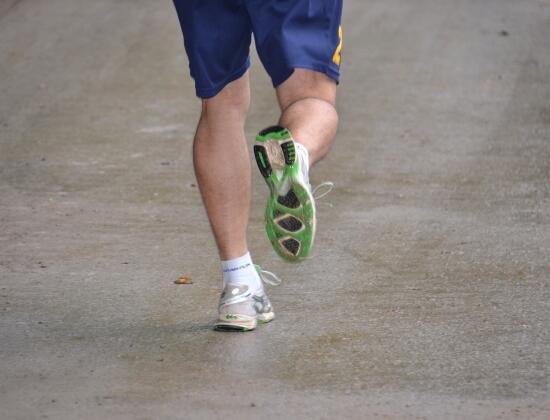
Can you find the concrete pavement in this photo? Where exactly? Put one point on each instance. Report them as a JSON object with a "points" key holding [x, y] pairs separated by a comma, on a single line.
{"points": [[428, 292]]}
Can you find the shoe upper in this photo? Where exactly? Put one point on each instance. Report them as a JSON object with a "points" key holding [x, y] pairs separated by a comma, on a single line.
{"points": [[240, 300]]}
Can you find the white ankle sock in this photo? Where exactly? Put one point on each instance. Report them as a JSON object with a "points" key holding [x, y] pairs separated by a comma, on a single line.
{"points": [[303, 155], [240, 271]]}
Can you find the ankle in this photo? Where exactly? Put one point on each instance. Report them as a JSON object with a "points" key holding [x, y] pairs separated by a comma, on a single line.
{"points": [[303, 156], [302, 150], [241, 270]]}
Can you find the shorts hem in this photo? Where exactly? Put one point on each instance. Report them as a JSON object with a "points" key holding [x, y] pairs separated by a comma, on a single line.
{"points": [[205, 93], [321, 68]]}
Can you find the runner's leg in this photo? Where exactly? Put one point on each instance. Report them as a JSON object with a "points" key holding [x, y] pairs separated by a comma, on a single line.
{"points": [[307, 100], [222, 166]]}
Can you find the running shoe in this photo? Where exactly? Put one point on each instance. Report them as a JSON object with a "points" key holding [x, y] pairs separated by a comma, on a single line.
{"points": [[241, 309], [290, 210]]}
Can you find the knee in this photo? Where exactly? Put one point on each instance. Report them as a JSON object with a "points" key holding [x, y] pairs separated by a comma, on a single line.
{"points": [[311, 106], [306, 84], [233, 101]]}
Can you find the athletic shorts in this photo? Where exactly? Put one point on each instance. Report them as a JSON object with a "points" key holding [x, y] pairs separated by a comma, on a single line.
{"points": [[288, 34]]}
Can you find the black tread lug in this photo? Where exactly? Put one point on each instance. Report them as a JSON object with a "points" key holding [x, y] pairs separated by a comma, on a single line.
{"points": [[265, 167], [272, 129], [289, 152]]}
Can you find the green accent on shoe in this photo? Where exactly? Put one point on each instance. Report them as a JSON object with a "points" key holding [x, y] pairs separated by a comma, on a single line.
{"points": [[290, 245], [262, 159], [273, 133]]}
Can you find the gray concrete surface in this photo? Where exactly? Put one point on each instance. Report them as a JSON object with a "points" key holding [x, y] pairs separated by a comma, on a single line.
{"points": [[427, 296]]}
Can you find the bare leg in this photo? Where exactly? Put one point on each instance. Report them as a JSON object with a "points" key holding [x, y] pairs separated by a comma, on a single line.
{"points": [[222, 166], [307, 100]]}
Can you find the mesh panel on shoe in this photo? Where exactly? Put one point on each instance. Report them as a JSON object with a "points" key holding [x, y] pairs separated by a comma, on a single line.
{"points": [[290, 223], [289, 200], [291, 245]]}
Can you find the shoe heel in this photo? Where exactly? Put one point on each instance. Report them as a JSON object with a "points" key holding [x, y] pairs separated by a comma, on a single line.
{"points": [[273, 131], [260, 153], [289, 152]]}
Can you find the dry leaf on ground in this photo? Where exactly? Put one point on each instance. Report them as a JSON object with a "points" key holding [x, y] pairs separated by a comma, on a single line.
{"points": [[184, 280]]}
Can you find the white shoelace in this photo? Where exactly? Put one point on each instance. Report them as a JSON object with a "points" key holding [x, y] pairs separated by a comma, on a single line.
{"points": [[322, 189], [268, 277]]}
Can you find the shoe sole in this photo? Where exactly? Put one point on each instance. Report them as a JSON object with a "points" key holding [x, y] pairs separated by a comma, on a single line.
{"points": [[242, 322], [289, 219]]}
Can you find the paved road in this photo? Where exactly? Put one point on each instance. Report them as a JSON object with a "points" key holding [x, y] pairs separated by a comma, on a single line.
{"points": [[427, 296]]}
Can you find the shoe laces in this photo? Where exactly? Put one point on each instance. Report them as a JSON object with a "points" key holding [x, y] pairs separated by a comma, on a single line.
{"points": [[268, 277], [322, 189]]}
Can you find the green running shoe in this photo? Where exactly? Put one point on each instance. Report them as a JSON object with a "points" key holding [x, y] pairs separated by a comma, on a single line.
{"points": [[290, 210]]}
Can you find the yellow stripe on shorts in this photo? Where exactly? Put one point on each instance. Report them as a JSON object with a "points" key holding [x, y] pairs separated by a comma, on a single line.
{"points": [[337, 57]]}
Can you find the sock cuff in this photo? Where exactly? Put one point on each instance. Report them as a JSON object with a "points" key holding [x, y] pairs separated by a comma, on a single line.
{"points": [[236, 264], [300, 148], [241, 270]]}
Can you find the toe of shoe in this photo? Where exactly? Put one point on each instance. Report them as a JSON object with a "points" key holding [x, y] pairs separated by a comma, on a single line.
{"points": [[266, 317]]}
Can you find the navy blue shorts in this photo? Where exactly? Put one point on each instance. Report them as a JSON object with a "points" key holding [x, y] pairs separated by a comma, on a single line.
{"points": [[288, 34]]}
